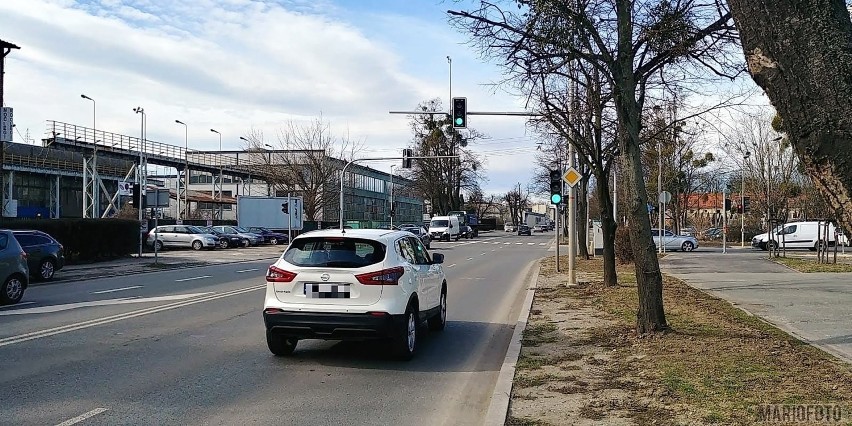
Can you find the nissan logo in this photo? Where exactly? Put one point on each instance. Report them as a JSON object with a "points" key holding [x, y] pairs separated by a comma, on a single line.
{"points": [[324, 277]]}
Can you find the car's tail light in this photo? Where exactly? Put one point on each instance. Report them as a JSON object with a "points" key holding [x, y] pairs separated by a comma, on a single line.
{"points": [[272, 310], [23, 255], [278, 275], [384, 277]]}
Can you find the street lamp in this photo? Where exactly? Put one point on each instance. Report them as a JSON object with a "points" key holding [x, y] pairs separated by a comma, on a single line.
{"points": [[742, 201], [185, 170], [221, 171], [96, 195], [141, 172], [391, 195]]}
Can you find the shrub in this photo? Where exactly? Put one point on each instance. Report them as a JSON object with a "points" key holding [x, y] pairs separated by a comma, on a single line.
{"points": [[623, 250], [86, 240]]}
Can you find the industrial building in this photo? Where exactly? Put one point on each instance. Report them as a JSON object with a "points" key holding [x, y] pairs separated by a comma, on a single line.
{"points": [[84, 172]]}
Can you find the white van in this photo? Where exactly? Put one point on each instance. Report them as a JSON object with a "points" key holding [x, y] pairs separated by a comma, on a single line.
{"points": [[444, 228], [796, 235]]}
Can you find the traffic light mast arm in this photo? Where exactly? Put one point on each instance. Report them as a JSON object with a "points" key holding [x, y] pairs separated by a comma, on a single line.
{"points": [[343, 173]]}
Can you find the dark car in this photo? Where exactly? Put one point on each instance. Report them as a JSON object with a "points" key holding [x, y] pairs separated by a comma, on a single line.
{"points": [[421, 233], [524, 230], [466, 232], [45, 255], [270, 237], [228, 240]]}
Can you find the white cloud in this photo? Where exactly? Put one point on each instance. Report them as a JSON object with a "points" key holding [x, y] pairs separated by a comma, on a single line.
{"points": [[234, 65]]}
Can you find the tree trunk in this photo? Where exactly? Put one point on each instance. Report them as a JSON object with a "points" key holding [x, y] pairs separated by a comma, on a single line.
{"points": [[649, 280], [581, 217], [800, 53], [608, 226]]}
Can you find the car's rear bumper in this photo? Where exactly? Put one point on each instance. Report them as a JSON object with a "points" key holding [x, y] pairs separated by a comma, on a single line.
{"points": [[334, 326]]}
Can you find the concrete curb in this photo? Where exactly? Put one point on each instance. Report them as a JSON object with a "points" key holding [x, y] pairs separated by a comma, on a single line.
{"points": [[498, 409], [151, 271]]}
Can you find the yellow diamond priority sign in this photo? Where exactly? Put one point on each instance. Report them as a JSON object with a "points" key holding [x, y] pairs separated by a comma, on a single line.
{"points": [[572, 176]]}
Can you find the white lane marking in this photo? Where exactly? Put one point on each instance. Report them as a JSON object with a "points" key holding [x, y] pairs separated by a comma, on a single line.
{"points": [[121, 301], [493, 249], [116, 289], [82, 417], [451, 265], [483, 254], [519, 244], [16, 305], [541, 244], [469, 258], [530, 244], [506, 244], [247, 270], [113, 318], [193, 278]]}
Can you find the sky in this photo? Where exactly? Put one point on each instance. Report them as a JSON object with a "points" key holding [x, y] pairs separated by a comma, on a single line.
{"points": [[238, 65]]}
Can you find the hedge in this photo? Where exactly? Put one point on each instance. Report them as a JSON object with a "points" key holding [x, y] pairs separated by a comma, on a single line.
{"points": [[86, 240]]}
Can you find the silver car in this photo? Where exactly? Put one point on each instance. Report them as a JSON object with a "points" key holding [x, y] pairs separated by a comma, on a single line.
{"points": [[14, 271], [181, 236], [253, 238], [674, 242]]}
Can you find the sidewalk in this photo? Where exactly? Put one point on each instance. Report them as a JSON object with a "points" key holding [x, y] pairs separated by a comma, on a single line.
{"points": [[170, 259]]}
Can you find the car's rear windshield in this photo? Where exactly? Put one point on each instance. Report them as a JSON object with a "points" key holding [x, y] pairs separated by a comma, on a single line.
{"points": [[415, 231], [439, 223], [335, 252]]}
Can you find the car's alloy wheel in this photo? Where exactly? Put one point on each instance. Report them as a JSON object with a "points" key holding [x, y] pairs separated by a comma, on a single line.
{"points": [[280, 345], [407, 341], [437, 322], [197, 245], [46, 269], [246, 243], [273, 241], [158, 245], [12, 291], [223, 244], [687, 246]]}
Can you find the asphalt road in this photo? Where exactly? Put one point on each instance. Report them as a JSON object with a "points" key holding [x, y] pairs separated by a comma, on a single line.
{"points": [[187, 347], [812, 306]]}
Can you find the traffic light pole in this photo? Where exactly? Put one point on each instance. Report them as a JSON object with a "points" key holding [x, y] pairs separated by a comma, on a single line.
{"points": [[724, 222]]}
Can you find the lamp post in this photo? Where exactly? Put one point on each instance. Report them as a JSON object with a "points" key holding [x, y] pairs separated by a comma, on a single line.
{"points": [[96, 195], [742, 201], [660, 193], [392, 212], [221, 171], [249, 179], [268, 187], [185, 170], [141, 172]]}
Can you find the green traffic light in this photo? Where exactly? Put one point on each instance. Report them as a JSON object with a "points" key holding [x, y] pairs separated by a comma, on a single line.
{"points": [[459, 121], [556, 198]]}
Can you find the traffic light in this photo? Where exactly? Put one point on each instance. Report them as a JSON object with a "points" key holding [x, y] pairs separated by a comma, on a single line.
{"points": [[555, 186], [740, 209], [137, 197], [285, 207], [459, 113], [727, 204], [406, 158], [746, 204]]}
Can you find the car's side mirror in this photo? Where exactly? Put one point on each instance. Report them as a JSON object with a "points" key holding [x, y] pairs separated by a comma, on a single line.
{"points": [[437, 258]]}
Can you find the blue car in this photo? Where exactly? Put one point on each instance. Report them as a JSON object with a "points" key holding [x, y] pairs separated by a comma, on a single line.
{"points": [[270, 237]]}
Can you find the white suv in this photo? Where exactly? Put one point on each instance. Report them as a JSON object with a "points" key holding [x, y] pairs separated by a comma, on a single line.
{"points": [[354, 285]]}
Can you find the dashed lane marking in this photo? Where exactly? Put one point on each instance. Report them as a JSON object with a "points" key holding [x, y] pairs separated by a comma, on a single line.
{"points": [[193, 278], [113, 290], [82, 417]]}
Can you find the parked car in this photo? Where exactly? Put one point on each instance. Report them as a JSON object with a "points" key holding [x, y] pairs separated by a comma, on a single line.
{"points": [[181, 236], [364, 284], [671, 241], [254, 239], [712, 233], [227, 240], [509, 227], [421, 233], [271, 237], [524, 230], [688, 231], [539, 228], [45, 255], [793, 235], [13, 269], [466, 232]]}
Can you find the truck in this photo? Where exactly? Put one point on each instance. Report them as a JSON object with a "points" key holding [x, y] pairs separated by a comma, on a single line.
{"points": [[467, 219], [278, 214]]}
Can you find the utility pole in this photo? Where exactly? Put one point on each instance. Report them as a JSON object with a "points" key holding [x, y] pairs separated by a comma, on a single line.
{"points": [[391, 196]]}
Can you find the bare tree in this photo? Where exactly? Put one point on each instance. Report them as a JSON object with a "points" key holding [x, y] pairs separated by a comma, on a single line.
{"points": [[516, 202], [479, 202], [442, 181], [306, 162], [630, 44]]}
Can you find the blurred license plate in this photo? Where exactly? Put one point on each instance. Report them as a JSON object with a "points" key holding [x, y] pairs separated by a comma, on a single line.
{"points": [[327, 290]]}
